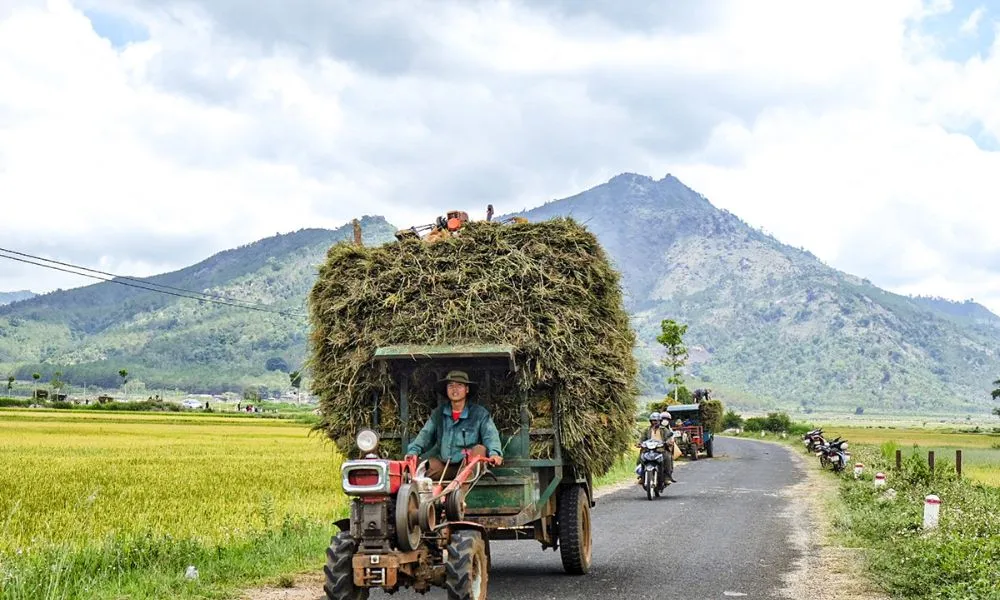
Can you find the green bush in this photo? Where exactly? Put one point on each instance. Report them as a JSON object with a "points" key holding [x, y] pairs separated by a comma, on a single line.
{"points": [[732, 420]]}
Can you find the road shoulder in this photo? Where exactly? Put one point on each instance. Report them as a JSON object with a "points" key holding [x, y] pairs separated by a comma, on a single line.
{"points": [[824, 570]]}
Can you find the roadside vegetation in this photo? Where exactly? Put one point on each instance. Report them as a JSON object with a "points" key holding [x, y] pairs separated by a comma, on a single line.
{"points": [[958, 559], [121, 504]]}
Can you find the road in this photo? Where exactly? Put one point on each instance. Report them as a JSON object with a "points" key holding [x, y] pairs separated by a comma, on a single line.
{"points": [[726, 529]]}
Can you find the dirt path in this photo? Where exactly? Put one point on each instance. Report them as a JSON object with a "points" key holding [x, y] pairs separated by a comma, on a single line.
{"points": [[824, 571]]}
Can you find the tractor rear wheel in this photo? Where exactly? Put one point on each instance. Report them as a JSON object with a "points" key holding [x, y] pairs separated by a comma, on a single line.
{"points": [[339, 570], [466, 570], [573, 513], [708, 447]]}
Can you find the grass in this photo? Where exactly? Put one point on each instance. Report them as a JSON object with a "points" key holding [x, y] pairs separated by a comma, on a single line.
{"points": [[980, 451], [108, 505], [623, 469]]}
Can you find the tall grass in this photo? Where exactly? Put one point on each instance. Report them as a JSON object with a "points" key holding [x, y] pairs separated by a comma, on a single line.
{"points": [[110, 505]]}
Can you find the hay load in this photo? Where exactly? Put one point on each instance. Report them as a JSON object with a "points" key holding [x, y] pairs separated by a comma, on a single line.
{"points": [[545, 288]]}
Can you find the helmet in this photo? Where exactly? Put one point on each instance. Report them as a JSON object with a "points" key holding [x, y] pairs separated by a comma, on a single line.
{"points": [[655, 416], [665, 416]]}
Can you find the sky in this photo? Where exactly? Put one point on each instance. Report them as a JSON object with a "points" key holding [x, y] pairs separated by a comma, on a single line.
{"points": [[141, 136]]}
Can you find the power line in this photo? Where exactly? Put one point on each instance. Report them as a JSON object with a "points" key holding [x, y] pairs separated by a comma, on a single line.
{"points": [[206, 298], [140, 281]]}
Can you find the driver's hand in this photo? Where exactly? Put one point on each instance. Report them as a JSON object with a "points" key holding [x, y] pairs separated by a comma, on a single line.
{"points": [[495, 460], [409, 456]]}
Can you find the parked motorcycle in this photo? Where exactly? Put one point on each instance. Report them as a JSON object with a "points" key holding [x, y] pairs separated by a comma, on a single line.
{"points": [[814, 440], [650, 466], [835, 455]]}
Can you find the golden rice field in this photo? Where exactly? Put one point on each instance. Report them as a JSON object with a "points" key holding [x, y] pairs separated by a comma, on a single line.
{"points": [[980, 451], [126, 500]]}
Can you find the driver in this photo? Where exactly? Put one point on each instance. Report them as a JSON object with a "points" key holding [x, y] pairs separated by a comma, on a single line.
{"points": [[655, 432], [454, 427]]}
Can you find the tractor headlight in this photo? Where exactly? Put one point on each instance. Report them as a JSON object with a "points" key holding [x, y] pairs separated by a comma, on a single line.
{"points": [[367, 440]]}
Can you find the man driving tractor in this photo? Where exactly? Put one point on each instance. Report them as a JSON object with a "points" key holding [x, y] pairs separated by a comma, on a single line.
{"points": [[454, 427], [656, 432]]}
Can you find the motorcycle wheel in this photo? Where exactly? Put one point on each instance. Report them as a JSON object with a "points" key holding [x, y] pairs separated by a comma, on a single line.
{"points": [[648, 485]]}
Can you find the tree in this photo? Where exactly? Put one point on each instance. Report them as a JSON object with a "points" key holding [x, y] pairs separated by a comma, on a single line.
{"points": [[672, 338], [732, 420], [36, 377], [10, 384], [996, 392], [57, 384], [124, 375], [296, 380]]}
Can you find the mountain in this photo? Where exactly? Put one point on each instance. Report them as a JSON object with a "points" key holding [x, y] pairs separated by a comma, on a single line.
{"points": [[8, 297], [166, 341], [771, 325]]}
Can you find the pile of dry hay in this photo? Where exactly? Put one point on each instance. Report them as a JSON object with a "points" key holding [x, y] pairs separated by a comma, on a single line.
{"points": [[545, 288], [711, 415]]}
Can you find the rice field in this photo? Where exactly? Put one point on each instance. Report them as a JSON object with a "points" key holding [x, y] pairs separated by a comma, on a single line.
{"points": [[110, 505], [980, 451]]}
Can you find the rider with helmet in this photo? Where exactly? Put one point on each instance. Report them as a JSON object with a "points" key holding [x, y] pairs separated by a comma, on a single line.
{"points": [[669, 454], [655, 431]]}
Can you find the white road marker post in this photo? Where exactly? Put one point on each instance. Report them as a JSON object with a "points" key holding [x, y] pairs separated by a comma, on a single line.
{"points": [[932, 510], [879, 479], [858, 469]]}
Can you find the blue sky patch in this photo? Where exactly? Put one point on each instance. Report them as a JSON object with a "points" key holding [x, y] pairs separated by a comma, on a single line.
{"points": [[966, 30], [116, 29], [978, 134]]}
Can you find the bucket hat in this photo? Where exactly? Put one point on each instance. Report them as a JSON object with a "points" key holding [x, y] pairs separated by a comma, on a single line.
{"points": [[460, 377]]}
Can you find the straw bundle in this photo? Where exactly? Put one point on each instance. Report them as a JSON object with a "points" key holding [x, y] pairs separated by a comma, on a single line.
{"points": [[545, 288]]}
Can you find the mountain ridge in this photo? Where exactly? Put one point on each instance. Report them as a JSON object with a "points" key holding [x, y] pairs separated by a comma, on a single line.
{"points": [[15, 296], [769, 325]]}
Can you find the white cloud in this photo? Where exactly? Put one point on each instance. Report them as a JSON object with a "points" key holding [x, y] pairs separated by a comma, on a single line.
{"points": [[971, 24], [842, 128]]}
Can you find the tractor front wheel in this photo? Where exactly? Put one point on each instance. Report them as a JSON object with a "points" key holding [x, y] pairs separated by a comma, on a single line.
{"points": [[339, 570], [466, 570]]}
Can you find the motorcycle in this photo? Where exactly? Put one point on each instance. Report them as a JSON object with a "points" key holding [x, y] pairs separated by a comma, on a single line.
{"points": [[650, 467], [835, 455], [813, 440]]}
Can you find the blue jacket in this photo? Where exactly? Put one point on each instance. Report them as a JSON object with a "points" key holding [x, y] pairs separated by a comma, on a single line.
{"points": [[444, 438]]}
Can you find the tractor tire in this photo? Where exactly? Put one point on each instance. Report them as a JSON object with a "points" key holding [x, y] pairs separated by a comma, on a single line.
{"points": [[708, 448], [339, 570], [694, 452], [573, 514], [466, 570]]}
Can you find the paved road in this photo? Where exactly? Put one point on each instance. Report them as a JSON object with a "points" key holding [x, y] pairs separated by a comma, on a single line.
{"points": [[720, 532]]}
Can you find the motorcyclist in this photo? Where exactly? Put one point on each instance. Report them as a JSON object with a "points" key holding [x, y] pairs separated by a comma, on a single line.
{"points": [[654, 431], [669, 454]]}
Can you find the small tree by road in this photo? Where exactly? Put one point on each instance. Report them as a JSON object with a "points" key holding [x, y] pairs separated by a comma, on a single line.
{"points": [[672, 338]]}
